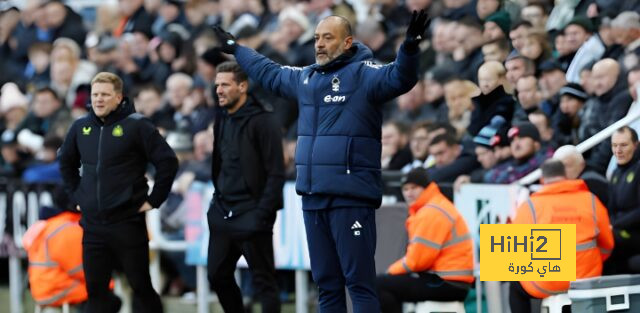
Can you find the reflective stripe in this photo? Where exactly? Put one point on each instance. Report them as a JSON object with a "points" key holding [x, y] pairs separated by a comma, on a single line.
{"points": [[547, 291], [426, 242], [605, 251], [595, 219], [406, 267], [56, 231], [58, 296], [453, 273], [533, 210], [456, 240], [43, 264], [75, 270], [443, 211], [586, 245]]}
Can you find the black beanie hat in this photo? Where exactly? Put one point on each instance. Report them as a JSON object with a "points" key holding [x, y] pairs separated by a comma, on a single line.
{"points": [[417, 176]]}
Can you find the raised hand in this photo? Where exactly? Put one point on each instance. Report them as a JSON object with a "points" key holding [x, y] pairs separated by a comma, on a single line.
{"points": [[227, 41], [416, 29]]}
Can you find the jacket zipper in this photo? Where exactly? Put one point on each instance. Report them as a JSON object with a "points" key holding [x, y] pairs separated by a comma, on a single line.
{"points": [[349, 155], [316, 108], [98, 168]]}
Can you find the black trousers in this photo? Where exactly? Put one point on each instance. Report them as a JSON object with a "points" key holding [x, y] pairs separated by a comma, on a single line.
{"points": [[393, 290], [225, 251], [124, 245]]}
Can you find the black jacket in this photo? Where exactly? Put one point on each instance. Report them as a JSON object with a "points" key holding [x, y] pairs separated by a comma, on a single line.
{"points": [[624, 196], [497, 102], [261, 163], [114, 154]]}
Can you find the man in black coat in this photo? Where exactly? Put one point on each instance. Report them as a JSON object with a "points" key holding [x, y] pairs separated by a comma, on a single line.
{"points": [[103, 162], [248, 175]]}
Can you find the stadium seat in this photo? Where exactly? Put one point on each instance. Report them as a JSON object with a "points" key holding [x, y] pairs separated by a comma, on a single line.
{"points": [[46, 309], [554, 304], [440, 307]]}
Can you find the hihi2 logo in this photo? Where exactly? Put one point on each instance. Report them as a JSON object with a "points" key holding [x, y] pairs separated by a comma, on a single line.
{"points": [[528, 252]]}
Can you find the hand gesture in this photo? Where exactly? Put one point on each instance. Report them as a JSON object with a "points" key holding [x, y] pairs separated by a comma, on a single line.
{"points": [[417, 26], [227, 41]]}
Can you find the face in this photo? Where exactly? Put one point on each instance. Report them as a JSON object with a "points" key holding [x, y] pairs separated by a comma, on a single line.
{"points": [[229, 91], [492, 52], [486, 157], [534, 15], [575, 36], [419, 144], [291, 29], [411, 192], [623, 147], [603, 80], [417, 5], [104, 99], [412, 99], [570, 105], [486, 8], [633, 79], [432, 90], [391, 140], [458, 101], [443, 154], [531, 48], [128, 7], [45, 104], [148, 102], [167, 52], [515, 70], [517, 37], [488, 80], [585, 81], [56, 13], [492, 31], [528, 94], [330, 40], [542, 124], [561, 45], [551, 82], [177, 91], [523, 147]]}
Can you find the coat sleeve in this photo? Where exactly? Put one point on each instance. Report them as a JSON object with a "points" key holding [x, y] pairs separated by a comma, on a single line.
{"points": [[281, 80], [269, 140], [425, 243], [386, 82], [69, 157], [65, 248], [524, 213], [158, 152], [605, 235]]}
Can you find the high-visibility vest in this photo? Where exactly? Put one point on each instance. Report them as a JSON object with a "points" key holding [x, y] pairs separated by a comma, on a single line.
{"points": [[570, 202], [54, 248], [439, 239]]}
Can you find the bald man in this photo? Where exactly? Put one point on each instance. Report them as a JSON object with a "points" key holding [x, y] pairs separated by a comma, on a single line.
{"points": [[576, 168], [338, 153]]}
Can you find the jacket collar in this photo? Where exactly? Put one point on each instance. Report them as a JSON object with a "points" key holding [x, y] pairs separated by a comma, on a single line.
{"points": [[124, 109], [563, 186], [427, 195]]}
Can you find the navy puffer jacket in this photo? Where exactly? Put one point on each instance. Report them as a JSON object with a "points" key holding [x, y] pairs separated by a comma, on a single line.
{"points": [[340, 119]]}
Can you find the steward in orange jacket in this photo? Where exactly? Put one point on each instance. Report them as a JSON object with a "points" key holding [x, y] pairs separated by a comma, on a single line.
{"points": [[54, 248], [563, 201], [438, 264]]}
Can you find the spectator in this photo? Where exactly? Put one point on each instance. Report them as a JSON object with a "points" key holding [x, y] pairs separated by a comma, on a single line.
{"points": [[543, 124], [435, 106], [493, 100], [613, 50], [148, 102], [495, 50], [458, 95], [536, 14], [518, 34], [450, 159], [576, 168], [48, 117], [536, 47], [468, 54], [587, 46], [13, 106], [419, 145], [62, 22], [395, 151], [527, 155], [37, 71], [46, 169], [529, 97], [68, 70], [551, 79], [518, 66], [594, 240], [626, 31], [572, 104], [445, 267], [133, 17], [496, 26], [372, 34], [624, 201], [409, 108]]}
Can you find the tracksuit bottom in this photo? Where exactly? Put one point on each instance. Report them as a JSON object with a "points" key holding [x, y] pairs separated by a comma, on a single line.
{"points": [[123, 244], [342, 244], [393, 290], [225, 251]]}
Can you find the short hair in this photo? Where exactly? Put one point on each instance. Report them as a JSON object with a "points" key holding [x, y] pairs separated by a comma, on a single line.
{"points": [[47, 89], [540, 112], [108, 78], [448, 128], [232, 67], [149, 87], [636, 68], [400, 126], [553, 168], [348, 31], [426, 125], [524, 23], [624, 129], [447, 138]]}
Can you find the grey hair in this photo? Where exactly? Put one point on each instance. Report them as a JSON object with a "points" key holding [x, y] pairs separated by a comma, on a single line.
{"points": [[626, 20]]}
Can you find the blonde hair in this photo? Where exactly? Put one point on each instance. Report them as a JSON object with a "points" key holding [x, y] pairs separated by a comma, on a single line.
{"points": [[108, 78]]}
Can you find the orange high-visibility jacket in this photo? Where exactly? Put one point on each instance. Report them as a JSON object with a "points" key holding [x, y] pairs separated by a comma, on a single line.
{"points": [[570, 202], [54, 248], [439, 240]]}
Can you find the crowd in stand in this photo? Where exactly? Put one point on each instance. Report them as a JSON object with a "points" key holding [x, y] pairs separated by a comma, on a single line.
{"points": [[505, 83]]}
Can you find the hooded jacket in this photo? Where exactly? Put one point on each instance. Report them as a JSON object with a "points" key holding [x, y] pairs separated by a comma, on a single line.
{"points": [[113, 157], [497, 102], [340, 116]]}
